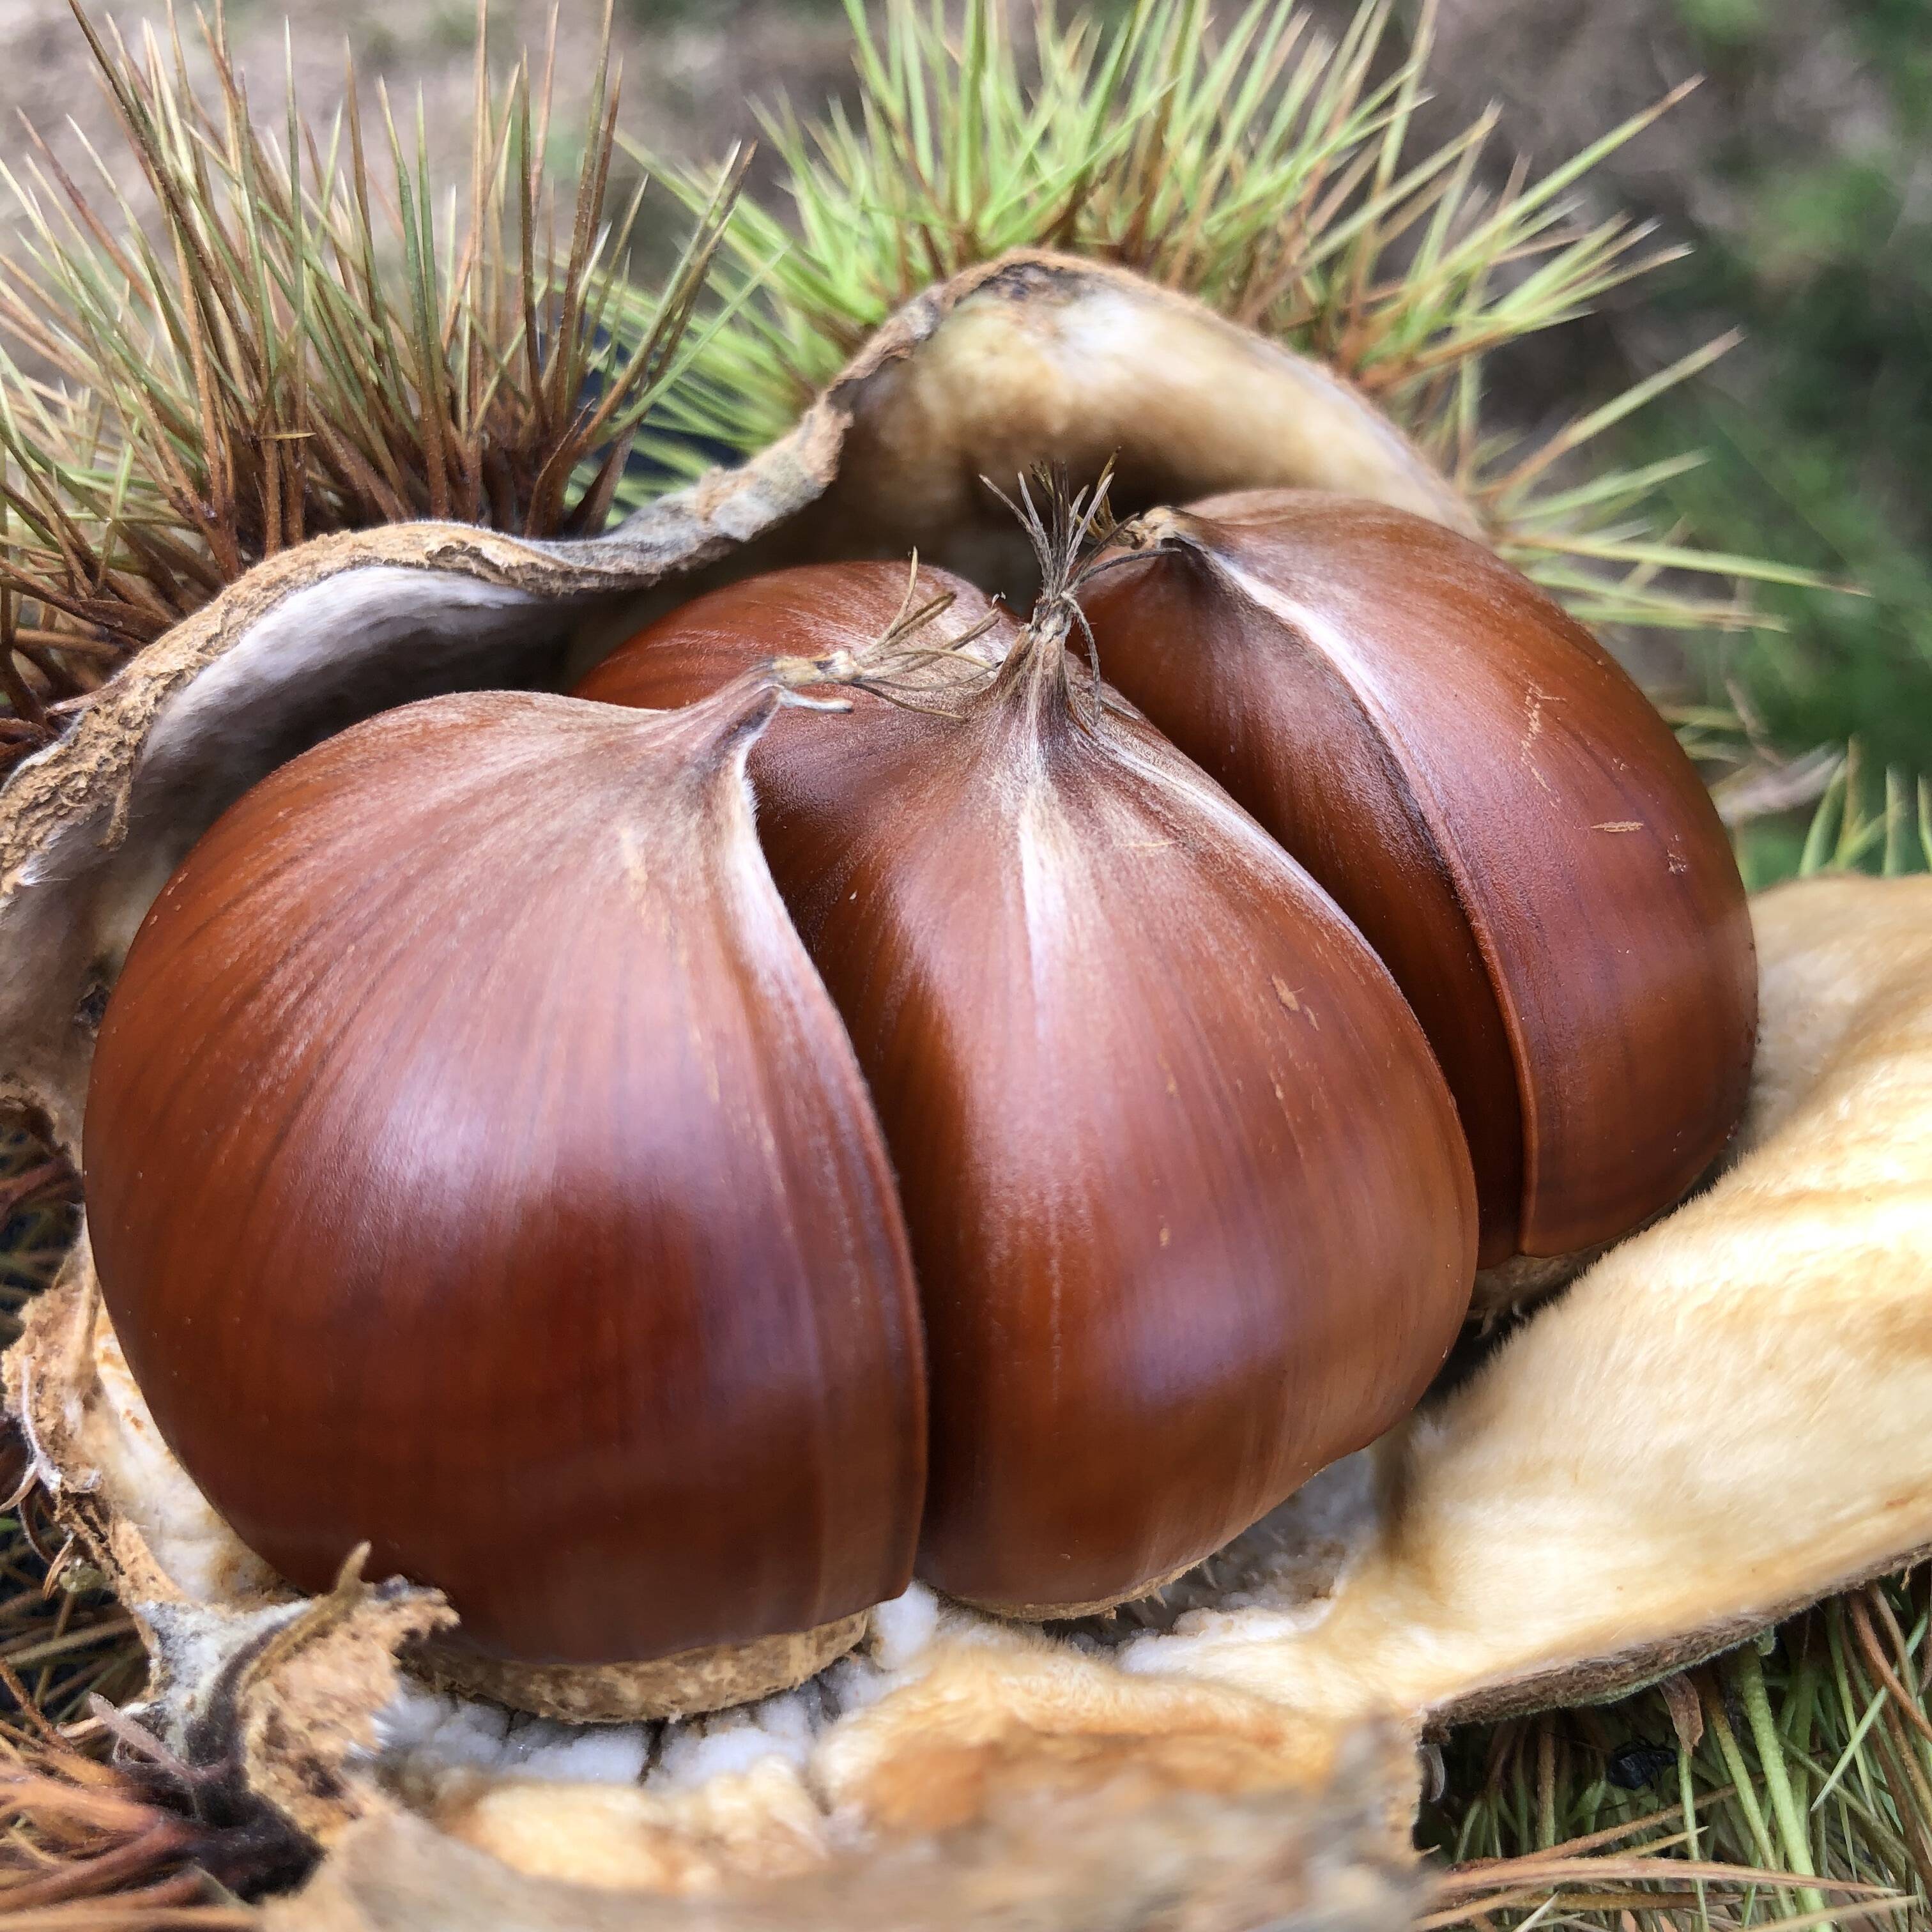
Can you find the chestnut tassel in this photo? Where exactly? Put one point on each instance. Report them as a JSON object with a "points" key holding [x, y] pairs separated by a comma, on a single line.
{"points": [[475, 1165], [1494, 803], [1190, 1210]]}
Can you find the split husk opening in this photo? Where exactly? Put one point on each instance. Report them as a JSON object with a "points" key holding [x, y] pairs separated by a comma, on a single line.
{"points": [[1578, 1517]]}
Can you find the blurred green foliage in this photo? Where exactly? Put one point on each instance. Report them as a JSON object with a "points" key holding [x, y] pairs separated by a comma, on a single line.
{"points": [[1820, 437], [672, 13]]}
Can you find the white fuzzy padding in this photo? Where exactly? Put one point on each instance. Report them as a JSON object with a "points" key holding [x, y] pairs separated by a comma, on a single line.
{"points": [[422, 1732]]}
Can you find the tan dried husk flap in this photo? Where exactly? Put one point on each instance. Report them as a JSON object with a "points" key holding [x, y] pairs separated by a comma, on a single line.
{"points": [[1722, 1419]]}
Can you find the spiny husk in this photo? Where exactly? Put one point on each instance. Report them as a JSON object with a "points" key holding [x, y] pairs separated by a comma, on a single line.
{"points": [[90, 826], [300, 348], [1241, 157], [93, 821], [124, 795]]}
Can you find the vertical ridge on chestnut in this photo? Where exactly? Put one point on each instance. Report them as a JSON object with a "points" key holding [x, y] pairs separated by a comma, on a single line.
{"points": [[469, 1115], [1498, 807], [1189, 1204]]}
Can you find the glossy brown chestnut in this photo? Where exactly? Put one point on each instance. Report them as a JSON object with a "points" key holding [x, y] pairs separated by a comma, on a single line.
{"points": [[475, 1165], [1190, 1212], [1495, 804]]}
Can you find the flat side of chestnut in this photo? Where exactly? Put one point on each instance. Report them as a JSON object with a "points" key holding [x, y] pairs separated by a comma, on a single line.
{"points": [[1584, 853], [1190, 1210], [469, 1116]]}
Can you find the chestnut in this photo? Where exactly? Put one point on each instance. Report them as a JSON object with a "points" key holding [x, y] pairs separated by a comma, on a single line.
{"points": [[1494, 802], [475, 1166]]}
